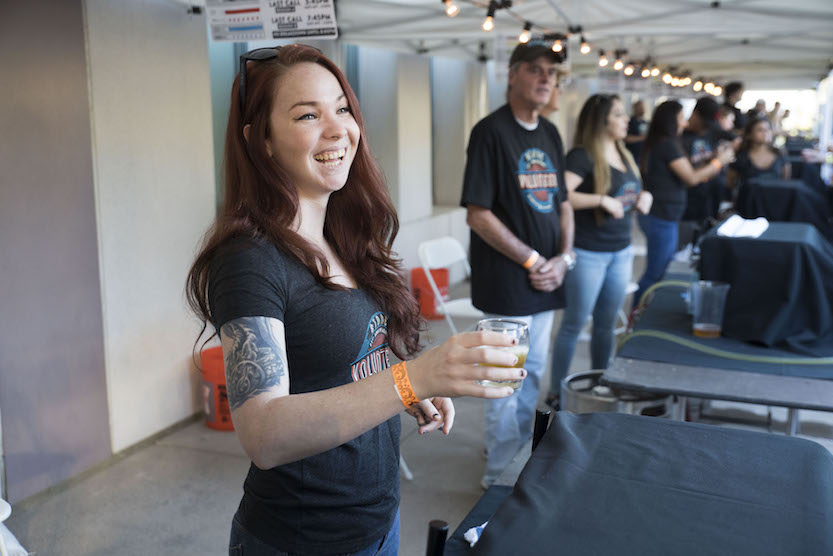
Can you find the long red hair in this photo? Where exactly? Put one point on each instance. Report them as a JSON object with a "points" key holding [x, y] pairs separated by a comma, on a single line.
{"points": [[260, 201]]}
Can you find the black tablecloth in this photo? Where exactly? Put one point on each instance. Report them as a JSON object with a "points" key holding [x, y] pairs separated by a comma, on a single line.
{"points": [[784, 201], [667, 313], [601, 484], [782, 286]]}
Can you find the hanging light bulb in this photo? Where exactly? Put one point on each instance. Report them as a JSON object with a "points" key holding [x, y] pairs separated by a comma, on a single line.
{"points": [[489, 23], [602, 59], [666, 78], [618, 64], [451, 9], [686, 81], [524, 36], [717, 91], [698, 86], [646, 73], [708, 87], [675, 81], [629, 69], [654, 71], [585, 48], [557, 46]]}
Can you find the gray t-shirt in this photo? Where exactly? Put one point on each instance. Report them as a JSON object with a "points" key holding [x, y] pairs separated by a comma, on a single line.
{"points": [[611, 234], [345, 498]]}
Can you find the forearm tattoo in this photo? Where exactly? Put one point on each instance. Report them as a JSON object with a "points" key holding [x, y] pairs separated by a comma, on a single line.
{"points": [[254, 362]]}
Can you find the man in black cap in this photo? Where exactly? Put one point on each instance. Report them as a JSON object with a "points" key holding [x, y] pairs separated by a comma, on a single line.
{"points": [[521, 232]]}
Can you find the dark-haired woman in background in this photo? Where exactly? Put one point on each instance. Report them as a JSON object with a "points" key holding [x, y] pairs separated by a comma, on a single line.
{"points": [[757, 157], [666, 173], [604, 188], [298, 277]]}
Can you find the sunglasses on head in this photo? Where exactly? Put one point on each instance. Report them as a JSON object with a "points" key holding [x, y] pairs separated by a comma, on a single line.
{"points": [[256, 55]]}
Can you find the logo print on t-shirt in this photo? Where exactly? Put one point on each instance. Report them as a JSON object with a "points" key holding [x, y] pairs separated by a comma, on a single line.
{"points": [[701, 152], [373, 357], [627, 194], [538, 179]]}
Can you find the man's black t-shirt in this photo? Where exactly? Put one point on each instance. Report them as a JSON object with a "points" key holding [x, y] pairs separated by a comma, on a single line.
{"points": [[747, 171], [518, 175], [345, 498], [702, 199], [614, 234], [668, 189]]}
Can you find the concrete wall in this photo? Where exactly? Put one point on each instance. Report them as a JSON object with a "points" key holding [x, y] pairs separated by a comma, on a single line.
{"points": [[154, 167], [52, 378]]}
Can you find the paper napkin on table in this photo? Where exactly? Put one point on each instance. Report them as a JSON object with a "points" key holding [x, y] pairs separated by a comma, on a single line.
{"points": [[736, 226], [473, 534]]}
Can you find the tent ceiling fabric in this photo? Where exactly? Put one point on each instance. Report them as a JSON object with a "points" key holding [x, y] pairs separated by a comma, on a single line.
{"points": [[764, 42]]}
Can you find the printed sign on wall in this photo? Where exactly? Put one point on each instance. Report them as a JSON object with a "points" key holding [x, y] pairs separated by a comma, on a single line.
{"points": [[256, 20]]}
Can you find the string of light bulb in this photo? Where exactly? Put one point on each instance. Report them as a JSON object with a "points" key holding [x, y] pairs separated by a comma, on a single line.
{"points": [[629, 67]]}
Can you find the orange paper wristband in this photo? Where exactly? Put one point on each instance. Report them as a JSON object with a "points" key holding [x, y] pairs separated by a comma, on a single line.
{"points": [[403, 385], [716, 163], [533, 258]]}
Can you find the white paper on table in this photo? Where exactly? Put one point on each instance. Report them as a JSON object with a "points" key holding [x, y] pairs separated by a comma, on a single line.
{"points": [[736, 226]]}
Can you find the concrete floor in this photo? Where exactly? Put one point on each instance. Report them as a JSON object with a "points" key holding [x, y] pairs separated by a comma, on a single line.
{"points": [[176, 494]]}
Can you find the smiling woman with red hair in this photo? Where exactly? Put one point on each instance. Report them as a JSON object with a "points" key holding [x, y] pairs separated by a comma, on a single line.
{"points": [[298, 278]]}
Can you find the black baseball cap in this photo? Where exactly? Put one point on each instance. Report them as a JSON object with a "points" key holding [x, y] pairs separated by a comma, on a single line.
{"points": [[532, 50]]}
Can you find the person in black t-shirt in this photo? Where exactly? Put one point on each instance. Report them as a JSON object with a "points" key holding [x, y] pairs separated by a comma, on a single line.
{"points": [[733, 92], [604, 190], [757, 112], [637, 129], [666, 173], [757, 157], [521, 232], [701, 140], [298, 278]]}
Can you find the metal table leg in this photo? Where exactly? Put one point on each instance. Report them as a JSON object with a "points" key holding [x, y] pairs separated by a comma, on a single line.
{"points": [[681, 407], [793, 422]]}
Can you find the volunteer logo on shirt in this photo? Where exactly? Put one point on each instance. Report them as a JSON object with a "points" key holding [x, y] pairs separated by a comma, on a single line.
{"points": [[373, 357], [538, 180], [701, 152], [627, 194]]}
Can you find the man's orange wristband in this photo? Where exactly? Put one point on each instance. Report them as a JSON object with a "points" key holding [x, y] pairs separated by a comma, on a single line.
{"points": [[533, 258], [403, 385]]}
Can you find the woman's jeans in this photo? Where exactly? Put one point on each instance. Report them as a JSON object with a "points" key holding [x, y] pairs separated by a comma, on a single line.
{"points": [[662, 243], [243, 543], [509, 420], [595, 286]]}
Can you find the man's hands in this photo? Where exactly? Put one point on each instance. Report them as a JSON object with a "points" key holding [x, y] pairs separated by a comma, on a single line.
{"points": [[548, 274]]}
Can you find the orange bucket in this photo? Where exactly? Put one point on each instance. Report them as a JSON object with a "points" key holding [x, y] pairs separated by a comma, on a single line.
{"points": [[424, 295], [214, 396]]}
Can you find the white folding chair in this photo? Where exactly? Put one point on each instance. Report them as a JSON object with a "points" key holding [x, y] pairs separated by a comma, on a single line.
{"points": [[5, 511], [446, 252]]}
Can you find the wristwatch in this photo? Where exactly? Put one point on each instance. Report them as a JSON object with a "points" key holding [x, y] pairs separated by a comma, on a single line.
{"points": [[569, 260]]}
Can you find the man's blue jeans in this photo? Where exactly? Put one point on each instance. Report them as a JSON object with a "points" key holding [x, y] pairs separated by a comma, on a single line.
{"points": [[662, 243], [595, 286], [509, 420]]}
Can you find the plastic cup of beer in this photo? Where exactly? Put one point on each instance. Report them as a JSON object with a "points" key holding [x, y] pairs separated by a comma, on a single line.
{"points": [[708, 301], [516, 329]]}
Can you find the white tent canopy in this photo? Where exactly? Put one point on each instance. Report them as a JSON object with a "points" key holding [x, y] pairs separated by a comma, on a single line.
{"points": [[765, 43]]}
